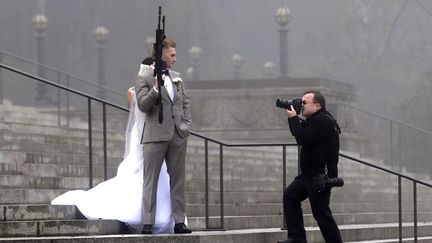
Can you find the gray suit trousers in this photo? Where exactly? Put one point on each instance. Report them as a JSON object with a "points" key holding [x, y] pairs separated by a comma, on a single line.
{"points": [[174, 153]]}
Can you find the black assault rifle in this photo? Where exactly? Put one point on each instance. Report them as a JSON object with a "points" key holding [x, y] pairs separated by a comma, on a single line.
{"points": [[160, 65]]}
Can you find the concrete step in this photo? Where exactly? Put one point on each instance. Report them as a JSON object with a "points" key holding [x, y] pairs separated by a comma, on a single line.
{"points": [[276, 197], [38, 129], [56, 158], [194, 159], [54, 170], [25, 196], [59, 148], [28, 196], [371, 232], [425, 239], [234, 179], [41, 182], [67, 182], [29, 118], [235, 214], [48, 212], [350, 233], [49, 116], [271, 221], [242, 209], [22, 212], [67, 136], [234, 182], [39, 228], [55, 145]]}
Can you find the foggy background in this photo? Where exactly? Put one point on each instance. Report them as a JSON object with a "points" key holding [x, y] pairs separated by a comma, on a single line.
{"points": [[381, 47]]}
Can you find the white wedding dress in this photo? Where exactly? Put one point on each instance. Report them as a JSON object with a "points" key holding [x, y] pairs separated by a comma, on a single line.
{"points": [[120, 197]]}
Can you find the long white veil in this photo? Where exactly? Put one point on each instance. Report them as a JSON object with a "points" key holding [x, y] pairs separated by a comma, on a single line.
{"points": [[120, 198]]}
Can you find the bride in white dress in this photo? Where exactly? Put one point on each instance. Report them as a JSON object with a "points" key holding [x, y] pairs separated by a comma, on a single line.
{"points": [[120, 197]]}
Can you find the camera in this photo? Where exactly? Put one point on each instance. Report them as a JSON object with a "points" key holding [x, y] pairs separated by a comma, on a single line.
{"points": [[323, 182], [286, 104]]}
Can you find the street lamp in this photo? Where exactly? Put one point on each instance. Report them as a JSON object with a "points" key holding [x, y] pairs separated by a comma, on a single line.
{"points": [[101, 33], [282, 17], [195, 53], [40, 24], [149, 41], [237, 61], [269, 69], [189, 72]]}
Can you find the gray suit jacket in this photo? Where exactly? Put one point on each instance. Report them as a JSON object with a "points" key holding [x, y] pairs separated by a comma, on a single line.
{"points": [[176, 113]]}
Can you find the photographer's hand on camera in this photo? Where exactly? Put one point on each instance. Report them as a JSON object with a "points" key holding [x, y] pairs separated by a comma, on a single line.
{"points": [[291, 113]]}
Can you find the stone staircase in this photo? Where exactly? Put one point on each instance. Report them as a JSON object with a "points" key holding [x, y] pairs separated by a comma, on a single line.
{"points": [[39, 160]]}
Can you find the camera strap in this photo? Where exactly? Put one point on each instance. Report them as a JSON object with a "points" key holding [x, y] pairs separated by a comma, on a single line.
{"points": [[336, 132]]}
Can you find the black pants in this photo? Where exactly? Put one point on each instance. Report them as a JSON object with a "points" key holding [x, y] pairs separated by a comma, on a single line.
{"points": [[295, 193]]}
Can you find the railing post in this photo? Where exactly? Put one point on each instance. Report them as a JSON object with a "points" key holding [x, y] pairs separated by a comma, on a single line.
{"points": [[283, 181], [90, 143], [400, 206], [284, 167], [221, 187], [415, 209], [398, 147], [1, 79], [58, 100], [395, 148], [104, 140], [391, 145], [67, 102], [206, 183]]}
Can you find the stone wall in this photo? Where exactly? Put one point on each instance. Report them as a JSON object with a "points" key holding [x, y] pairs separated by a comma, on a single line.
{"points": [[235, 108]]}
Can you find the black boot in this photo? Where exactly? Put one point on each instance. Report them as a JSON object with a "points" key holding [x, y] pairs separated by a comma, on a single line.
{"points": [[181, 228], [147, 229]]}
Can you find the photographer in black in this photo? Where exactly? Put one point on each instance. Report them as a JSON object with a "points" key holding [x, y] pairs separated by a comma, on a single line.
{"points": [[318, 137]]}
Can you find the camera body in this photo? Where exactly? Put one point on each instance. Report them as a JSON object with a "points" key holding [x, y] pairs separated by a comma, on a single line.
{"points": [[323, 182], [286, 104]]}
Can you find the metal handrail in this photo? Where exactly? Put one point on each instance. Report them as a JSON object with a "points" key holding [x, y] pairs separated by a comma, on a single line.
{"points": [[400, 176], [221, 146], [390, 119], [45, 81], [222, 143], [226, 144], [89, 100]]}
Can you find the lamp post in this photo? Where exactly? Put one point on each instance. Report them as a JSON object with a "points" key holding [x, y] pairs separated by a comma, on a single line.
{"points": [[237, 61], [101, 33], [195, 53], [269, 69], [282, 17], [189, 73], [40, 24], [149, 41]]}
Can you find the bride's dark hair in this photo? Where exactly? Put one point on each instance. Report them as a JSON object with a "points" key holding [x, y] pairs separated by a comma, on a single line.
{"points": [[147, 61]]}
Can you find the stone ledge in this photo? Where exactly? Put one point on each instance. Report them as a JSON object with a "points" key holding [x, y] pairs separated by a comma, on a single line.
{"points": [[270, 235]]}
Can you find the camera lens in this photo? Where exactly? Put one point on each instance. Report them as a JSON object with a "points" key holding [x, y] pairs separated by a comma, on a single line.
{"points": [[283, 103]]}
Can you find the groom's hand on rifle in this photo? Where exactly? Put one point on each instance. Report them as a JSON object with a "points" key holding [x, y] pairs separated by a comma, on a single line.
{"points": [[156, 85]]}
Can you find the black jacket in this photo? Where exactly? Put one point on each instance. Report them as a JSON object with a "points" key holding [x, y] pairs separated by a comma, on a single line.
{"points": [[319, 140]]}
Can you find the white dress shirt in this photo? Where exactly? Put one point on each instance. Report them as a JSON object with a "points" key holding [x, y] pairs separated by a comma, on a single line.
{"points": [[168, 85]]}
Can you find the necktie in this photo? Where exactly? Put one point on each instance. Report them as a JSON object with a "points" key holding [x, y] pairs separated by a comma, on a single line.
{"points": [[169, 85]]}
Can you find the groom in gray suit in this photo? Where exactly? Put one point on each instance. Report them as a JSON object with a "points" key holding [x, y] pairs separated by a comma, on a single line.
{"points": [[166, 141]]}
